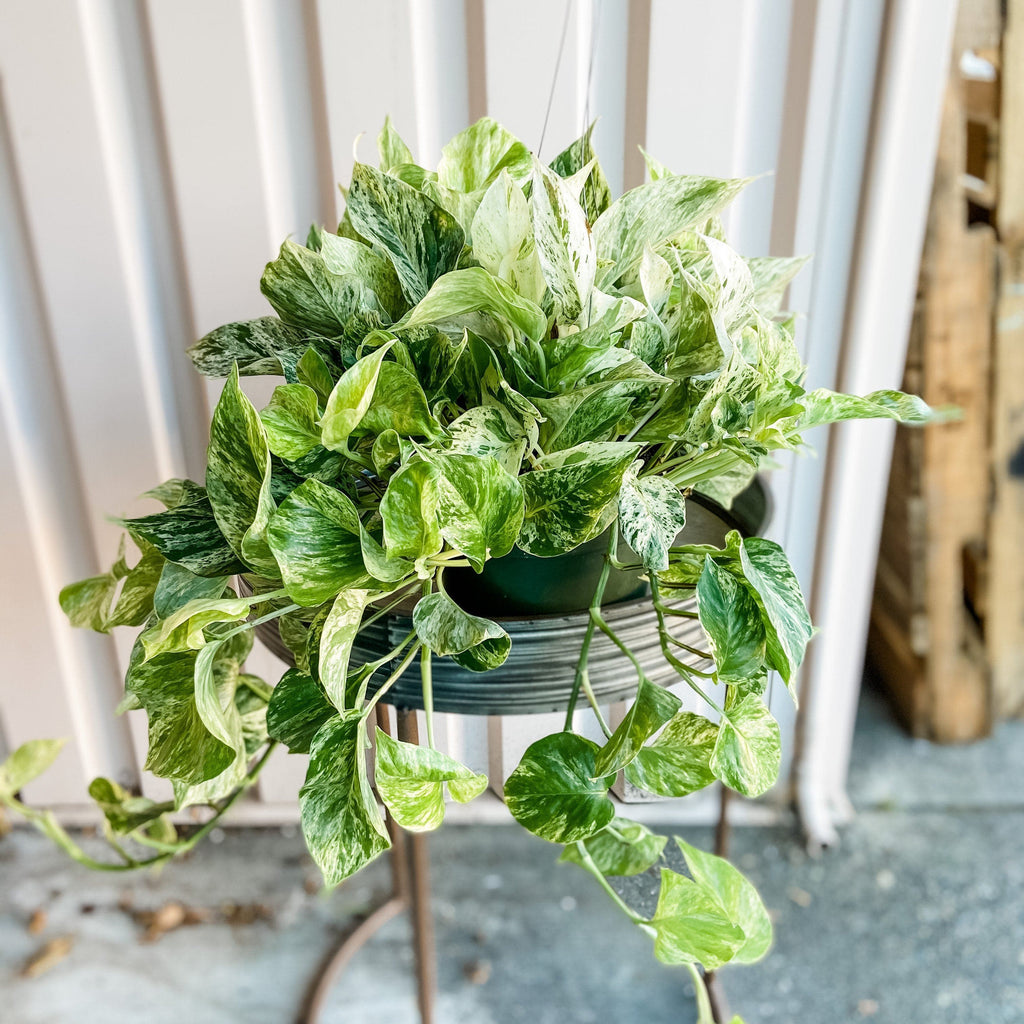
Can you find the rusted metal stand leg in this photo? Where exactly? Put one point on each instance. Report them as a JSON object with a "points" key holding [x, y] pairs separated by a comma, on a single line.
{"points": [[419, 899], [410, 890], [719, 1004]]}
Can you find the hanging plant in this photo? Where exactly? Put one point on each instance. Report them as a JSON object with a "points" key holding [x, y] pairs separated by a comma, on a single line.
{"points": [[489, 357]]}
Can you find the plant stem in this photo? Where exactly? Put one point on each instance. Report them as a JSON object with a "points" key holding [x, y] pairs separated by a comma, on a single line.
{"points": [[592, 868], [684, 670], [705, 1015], [253, 623], [400, 595], [391, 679], [595, 602], [426, 677]]}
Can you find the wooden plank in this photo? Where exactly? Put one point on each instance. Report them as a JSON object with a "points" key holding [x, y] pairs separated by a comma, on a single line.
{"points": [[924, 638], [1004, 621]]}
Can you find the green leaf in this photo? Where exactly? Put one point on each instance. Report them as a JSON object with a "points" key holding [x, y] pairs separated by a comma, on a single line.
{"points": [[188, 534], [261, 346], [771, 276], [567, 495], [824, 406], [28, 762], [91, 602], [481, 506], [411, 780], [564, 244], [340, 820], [678, 762], [298, 708], [651, 709], [422, 240], [553, 792], [399, 404], [503, 241], [124, 811], [748, 750], [652, 511], [490, 431], [474, 643], [182, 630], [583, 414], [737, 897], [181, 747], [393, 151], [313, 371], [336, 638], [177, 586], [291, 420], [596, 195], [475, 157], [350, 399], [691, 926], [623, 847], [786, 619], [307, 295], [732, 620], [238, 478], [314, 536], [653, 214], [456, 295], [409, 510], [353, 260]]}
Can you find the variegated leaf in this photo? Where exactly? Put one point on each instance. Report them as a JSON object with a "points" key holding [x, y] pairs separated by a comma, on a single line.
{"points": [[650, 710], [565, 246], [314, 535], [422, 240], [748, 751], [340, 820], [652, 214], [455, 296], [555, 792], [622, 847], [474, 643], [238, 478], [567, 495], [678, 761], [350, 399], [411, 780], [651, 513], [476, 156]]}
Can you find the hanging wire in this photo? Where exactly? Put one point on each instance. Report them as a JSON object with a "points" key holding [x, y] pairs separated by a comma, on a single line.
{"points": [[595, 23], [554, 77]]}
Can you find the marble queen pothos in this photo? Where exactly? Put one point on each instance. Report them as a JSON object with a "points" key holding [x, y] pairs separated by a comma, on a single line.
{"points": [[491, 354]]}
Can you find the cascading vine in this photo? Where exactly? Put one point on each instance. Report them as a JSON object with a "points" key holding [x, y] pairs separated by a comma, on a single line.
{"points": [[487, 355]]}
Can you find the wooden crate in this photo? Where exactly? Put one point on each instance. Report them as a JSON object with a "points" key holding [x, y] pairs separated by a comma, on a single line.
{"points": [[947, 629]]}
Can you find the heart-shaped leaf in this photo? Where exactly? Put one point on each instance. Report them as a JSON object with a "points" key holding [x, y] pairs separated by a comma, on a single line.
{"points": [[554, 793]]}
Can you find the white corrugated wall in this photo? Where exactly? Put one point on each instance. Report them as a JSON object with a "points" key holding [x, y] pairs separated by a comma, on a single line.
{"points": [[154, 153]]}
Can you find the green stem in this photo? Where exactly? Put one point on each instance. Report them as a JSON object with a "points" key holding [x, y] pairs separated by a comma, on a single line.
{"points": [[593, 869], [367, 669], [581, 676], [705, 1015], [400, 595], [427, 681], [685, 671], [391, 679], [253, 623]]}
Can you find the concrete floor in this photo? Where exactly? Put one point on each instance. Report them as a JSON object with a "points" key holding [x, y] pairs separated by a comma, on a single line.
{"points": [[917, 917]]}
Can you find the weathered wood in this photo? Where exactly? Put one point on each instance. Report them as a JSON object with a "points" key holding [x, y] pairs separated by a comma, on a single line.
{"points": [[925, 639], [1004, 624]]}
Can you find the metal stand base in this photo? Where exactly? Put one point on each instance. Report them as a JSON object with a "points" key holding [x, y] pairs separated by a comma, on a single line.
{"points": [[410, 890]]}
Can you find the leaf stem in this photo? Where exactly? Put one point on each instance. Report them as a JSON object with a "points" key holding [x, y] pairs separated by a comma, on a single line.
{"points": [[581, 676], [705, 1015], [391, 679], [593, 869], [427, 672]]}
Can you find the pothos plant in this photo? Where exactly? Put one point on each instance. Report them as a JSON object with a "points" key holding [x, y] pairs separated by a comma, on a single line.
{"points": [[489, 355]]}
